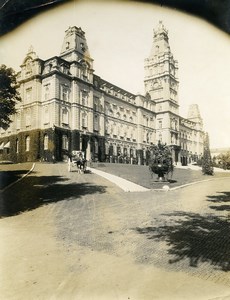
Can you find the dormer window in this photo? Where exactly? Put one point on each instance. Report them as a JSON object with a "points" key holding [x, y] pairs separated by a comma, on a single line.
{"points": [[67, 45]]}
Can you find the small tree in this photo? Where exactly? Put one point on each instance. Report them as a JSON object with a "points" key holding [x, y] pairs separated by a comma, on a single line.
{"points": [[207, 164], [8, 95], [160, 160]]}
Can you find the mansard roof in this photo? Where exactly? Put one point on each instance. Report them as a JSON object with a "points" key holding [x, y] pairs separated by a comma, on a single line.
{"points": [[105, 84]]}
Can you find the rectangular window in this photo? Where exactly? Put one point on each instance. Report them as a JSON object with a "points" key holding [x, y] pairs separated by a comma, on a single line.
{"points": [[84, 120], [47, 91], [84, 98], [64, 92], [96, 123], [18, 121], [65, 116], [28, 117], [159, 124], [96, 103], [46, 115], [28, 96]]}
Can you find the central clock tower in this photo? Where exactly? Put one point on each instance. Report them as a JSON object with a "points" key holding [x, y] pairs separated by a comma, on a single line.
{"points": [[161, 69], [161, 83]]}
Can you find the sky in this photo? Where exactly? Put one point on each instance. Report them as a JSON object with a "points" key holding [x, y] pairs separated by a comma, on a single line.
{"points": [[120, 36]]}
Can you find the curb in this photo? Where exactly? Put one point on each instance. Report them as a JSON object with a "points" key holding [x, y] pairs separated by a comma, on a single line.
{"points": [[196, 182], [10, 185]]}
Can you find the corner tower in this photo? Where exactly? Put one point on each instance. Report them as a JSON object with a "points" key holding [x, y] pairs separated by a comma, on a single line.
{"points": [[74, 47], [194, 115]]}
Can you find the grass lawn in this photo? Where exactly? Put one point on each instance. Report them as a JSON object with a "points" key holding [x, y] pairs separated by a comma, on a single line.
{"points": [[12, 172], [142, 176]]}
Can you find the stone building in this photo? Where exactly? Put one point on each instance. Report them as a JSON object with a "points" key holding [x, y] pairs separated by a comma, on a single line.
{"points": [[65, 106]]}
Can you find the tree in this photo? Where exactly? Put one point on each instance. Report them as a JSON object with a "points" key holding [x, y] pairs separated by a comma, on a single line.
{"points": [[224, 160], [8, 95], [160, 160], [207, 164]]}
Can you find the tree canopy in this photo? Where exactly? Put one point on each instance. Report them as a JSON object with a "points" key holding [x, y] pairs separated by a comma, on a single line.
{"points": [[8, 95], [224, 160]]}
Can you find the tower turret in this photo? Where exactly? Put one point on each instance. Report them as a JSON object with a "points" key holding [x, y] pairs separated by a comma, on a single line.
{"points": [[74, 47], [194, 115]]}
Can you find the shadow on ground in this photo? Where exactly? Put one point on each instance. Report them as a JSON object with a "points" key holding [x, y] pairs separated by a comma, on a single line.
{"points": [[36, 191], [7, 177], [224, 197], [198, 238]]}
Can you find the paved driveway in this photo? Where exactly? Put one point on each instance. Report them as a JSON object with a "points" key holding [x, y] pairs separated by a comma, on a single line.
{"points": [[82, 237]]}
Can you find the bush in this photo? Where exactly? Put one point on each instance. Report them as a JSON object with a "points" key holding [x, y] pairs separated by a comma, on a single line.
{"points": [[160, 160], [207, 165]]}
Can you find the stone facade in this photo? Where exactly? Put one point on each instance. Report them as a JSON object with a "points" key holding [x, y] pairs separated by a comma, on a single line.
{"points": [[66, 106]]}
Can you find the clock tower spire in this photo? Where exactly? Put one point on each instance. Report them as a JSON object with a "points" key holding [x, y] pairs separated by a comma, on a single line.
{"points": [[161, 69]]}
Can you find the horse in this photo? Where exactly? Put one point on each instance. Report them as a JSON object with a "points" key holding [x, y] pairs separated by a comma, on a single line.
{"points": [[81, 165], [78, 161]]}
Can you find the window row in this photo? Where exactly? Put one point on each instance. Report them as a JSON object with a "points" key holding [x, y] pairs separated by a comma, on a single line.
{"points": [[27, 142]]}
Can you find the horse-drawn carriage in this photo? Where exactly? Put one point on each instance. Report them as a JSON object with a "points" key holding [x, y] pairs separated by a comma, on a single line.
{"points": [[77, 162]]}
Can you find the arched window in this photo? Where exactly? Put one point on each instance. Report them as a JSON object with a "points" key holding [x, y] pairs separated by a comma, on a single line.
{"points": [[65, 142], [118, 150], [27, 143], [96, 146], [17, 145], [46, 141], [106, 148]]}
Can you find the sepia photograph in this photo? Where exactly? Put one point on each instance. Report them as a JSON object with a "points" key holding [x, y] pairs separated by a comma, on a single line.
{"points": [[114, 150]]}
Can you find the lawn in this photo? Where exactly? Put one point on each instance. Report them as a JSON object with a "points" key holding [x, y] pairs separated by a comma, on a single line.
{"points": [[142, 176]]}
